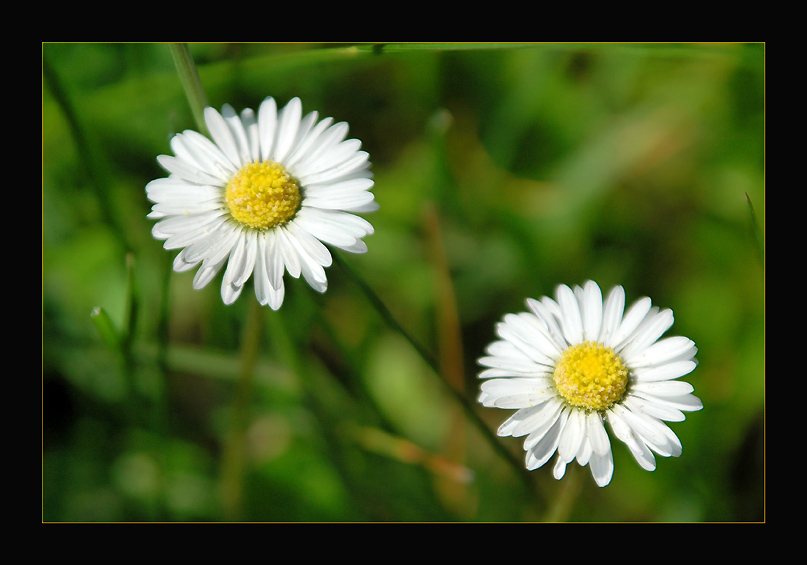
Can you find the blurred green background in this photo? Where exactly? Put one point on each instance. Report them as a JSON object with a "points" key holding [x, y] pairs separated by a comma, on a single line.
{"points": [[501, 172]]}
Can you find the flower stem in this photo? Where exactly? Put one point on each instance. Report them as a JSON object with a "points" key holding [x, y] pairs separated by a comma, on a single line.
{"points": [[189, 76], [234, 457], [472, 415], [567, 494]]}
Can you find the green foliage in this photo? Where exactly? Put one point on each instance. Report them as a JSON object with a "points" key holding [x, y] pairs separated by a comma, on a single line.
{"points": [[632, 164]]}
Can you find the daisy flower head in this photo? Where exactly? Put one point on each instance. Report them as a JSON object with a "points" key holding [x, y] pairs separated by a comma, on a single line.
{"points": [[571, 364], [262, 196]]}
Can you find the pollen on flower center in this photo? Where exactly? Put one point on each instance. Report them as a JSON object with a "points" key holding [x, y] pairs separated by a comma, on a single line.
{"points": [[591, 376], [262, 195]]}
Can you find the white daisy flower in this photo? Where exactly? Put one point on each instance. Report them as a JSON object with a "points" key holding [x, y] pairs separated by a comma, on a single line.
{"points": [[263, 196], [571, 364]]}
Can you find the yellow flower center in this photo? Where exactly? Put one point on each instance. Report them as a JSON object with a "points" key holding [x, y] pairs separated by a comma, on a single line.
{"points": [[262, 195], [591, 376]]}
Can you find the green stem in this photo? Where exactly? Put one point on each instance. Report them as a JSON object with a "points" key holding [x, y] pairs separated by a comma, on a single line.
{"points": [[317, 398], [472, 415], [567, 494], [234, 457], [189, 76]]}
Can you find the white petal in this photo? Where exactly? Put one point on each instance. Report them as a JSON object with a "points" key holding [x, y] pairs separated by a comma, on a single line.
{"points": [[239, 267], [499, 373], [673, 440], [585, 452], [612, 315], [329, 140], [310, 244], [652, 431], [591, 311], [215, 245], [503, 348], [288, 122], [185, 207], [262, 286], [337, 220], [602, 467], [508, 426], [188, 152], [250, 122], [221, 134], [508, 364], [540, 417], [366, 208], [517, 392], [596, 433], [540, 452], [637, 447], [181, 264], [206, 272], [621, 428], [519, 336], [506, 348], [524, 421], [230, 292], [552, 308], [641, 424], [210, 157], [334, 156], [166, 227], [664, 351], [275, 297], [239, 134], [663, 372], [272, 258], [532, 338], [686, 402], [304, 147], [643, 455], [251, 248], [284, 249], [631, 321], [655, 407], [267, 291], [572, 436], [267, 127], [559, 469], [313, 255], [302, 139], [571, 322], [669, 446], [174, 189], [185, 170], [663, 388], [349, 202], [348, 186], [545, 315], [358, 247], [323, 153], [176, 225], [357, 162], [650, 330], [331, 233]]}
